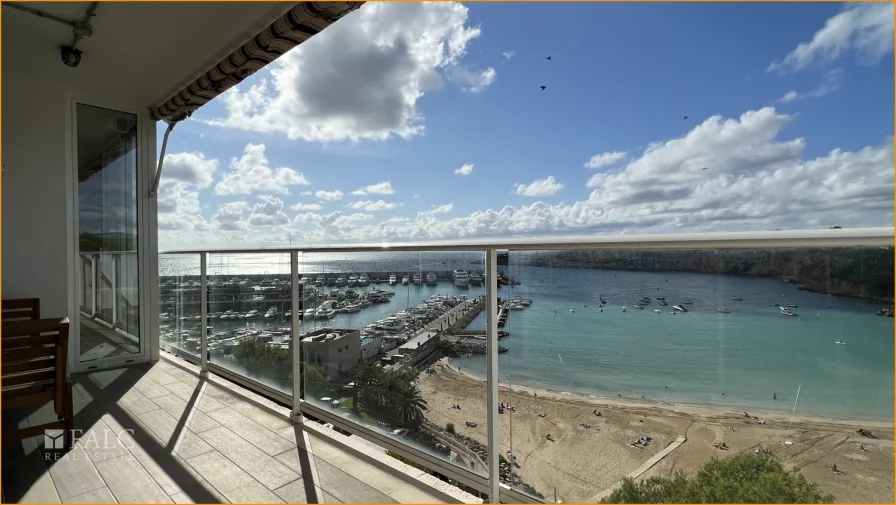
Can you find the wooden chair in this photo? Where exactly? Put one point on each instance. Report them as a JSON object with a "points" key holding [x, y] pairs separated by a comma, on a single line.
{"points": [[17, 309], [34, 371]]}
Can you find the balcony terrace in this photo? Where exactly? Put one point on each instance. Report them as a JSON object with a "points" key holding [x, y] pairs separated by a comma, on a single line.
{"points": [[161, 434], [529, 370], [233, 384]]}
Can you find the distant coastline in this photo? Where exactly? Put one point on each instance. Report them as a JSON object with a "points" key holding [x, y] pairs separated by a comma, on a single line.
{"points": [[862, 273]]}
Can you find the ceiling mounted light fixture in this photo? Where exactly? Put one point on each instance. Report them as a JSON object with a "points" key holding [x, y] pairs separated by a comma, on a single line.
{"points": [[70, 56]]}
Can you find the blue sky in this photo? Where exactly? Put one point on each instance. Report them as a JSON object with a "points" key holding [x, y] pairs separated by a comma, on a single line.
{"points": [[409, 93]]}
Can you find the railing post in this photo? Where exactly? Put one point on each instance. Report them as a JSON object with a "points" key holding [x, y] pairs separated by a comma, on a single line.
{"points": [[491, 388], [296, 335], [114, 289], [203, 314], [96, 284]]}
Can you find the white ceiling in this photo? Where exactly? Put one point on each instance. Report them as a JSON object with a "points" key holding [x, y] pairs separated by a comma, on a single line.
{"points": [[141, 53]]}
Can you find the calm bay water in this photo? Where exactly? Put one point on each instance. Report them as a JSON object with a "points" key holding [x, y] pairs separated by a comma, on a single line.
{"points": [[748, 355]]}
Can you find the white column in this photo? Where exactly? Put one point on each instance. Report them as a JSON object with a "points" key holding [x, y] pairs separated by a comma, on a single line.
{"points": [[203, 314], [491, 395], [296, 335]]}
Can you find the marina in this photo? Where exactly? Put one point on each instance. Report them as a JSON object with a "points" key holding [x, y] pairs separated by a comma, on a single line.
{"points": [[573, 312]]}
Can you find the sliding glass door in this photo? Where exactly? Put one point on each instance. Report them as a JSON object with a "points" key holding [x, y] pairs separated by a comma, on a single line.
{"points": [[108, 280]]}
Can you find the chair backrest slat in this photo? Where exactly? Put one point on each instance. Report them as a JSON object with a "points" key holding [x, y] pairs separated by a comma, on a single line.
{"points": [[29, 365], [29, 378], [20, 309]]}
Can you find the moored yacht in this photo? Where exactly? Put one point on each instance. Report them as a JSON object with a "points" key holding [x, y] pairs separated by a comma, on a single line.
{"points": [[431, 279], [363, 280], [271, 313], [340, 281], [418, 279], [461, 278], [393, 279], [353, 280], [475, 278], [404, 280]]}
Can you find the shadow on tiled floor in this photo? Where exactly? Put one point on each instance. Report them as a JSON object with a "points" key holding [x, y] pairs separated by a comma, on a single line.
{"points": [[159, 434]]}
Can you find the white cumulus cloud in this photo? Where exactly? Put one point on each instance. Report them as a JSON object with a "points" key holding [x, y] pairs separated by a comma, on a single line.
{"points": [[329, 195], [605, 159], [540, 187], [380, 188], [465, 169], [252, 172], [363, 77], [865, 29], [373, 206], [756, 177], [305, 206]]}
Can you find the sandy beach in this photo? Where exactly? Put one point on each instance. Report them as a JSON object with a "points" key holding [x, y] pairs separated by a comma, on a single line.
{"points": [[581, 463]]}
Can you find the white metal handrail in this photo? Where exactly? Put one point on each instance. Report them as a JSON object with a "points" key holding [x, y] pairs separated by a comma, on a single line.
{"points": [[868, 237], [841, 237]]}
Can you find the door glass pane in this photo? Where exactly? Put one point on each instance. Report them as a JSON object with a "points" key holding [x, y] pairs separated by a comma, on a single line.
{"points": [[107, 218]]}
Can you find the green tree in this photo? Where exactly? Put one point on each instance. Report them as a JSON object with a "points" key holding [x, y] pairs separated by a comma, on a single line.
{"points": [[263, 360], [314, 379], [406, 405], [388, 396], [744, 478]]}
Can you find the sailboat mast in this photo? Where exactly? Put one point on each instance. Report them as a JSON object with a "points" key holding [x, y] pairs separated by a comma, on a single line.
{"points": [[794, 405]]}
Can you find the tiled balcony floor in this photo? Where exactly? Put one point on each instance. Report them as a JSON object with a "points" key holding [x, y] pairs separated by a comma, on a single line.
{"points": [[198, 441]]}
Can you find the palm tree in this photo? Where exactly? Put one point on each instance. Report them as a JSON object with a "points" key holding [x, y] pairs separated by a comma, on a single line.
{"points": [[367, 376], [407, 405]]}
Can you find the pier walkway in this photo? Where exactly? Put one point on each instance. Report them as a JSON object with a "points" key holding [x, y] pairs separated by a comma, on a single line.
{"points": [[650, 463]]}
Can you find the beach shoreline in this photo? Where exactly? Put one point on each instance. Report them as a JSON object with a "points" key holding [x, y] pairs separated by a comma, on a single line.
{"points": [[685, 407], [588, 454]]}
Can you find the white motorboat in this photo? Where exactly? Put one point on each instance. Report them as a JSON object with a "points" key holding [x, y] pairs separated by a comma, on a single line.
{"points": [[724, 310], [404, 280], [271, 313], [363, 280], [475, 279], [461, 278], [393, 279], [431, 279], [679, 308], [787, 312]]}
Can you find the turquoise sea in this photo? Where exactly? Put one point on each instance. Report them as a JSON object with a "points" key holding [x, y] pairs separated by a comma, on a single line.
{"points": [[749, 354]]}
